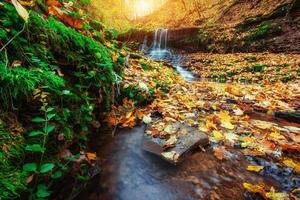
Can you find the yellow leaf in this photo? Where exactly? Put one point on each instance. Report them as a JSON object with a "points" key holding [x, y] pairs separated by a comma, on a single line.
{"points": [[147, 119], [114, 56], [200, 103], [225, 119], [254, 168], [275, 135], [263, 124], [292, 164], [273, 195], [210, 125], [254, 188], [216, 136], [128, 114], [246, 141], [21, 10]]}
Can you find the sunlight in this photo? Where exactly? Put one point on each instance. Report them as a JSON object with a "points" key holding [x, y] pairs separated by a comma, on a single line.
{"points": [[143, 8]]}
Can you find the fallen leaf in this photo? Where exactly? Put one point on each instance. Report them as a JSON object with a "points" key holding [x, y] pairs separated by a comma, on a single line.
{"points": [[231, 137], [220, 152], [91, 156], [143, 87], [273, 195], [238, 112], [263, 124], [21, 10], [29, 178], [216, 136], [170, 142], [292, 164], [147, 119], [112, 120], [225, 119], [254, 168], [170, 129], [139, 114], [254, 188], [210, 125], [276, 136], [234, 90], [171, 155]]}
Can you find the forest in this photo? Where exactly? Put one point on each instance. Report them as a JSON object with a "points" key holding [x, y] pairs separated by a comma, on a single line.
{"points": [[150, 99]]}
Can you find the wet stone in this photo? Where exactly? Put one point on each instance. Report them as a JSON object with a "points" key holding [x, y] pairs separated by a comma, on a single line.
{"points": [[177, 145]]}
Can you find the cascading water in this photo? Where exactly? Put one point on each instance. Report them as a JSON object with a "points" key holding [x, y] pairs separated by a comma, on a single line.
{"points": [[160, 51]]}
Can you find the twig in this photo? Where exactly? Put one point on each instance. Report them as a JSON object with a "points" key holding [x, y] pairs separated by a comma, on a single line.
{"points": [[6, 58], [13, 38]]}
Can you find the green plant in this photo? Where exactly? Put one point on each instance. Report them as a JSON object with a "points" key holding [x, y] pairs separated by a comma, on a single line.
{"points": [[259, 67], [39, 168], [145, 66], [262, 31]]}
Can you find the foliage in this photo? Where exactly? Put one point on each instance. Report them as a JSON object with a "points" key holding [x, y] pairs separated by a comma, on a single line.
{"points": [[12, 179], [19, 82], [58, 79]]}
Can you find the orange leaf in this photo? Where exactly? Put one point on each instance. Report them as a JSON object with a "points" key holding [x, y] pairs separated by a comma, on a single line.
{"points": [[139, 114], [53, 3], [91, 156], [112, 120]]}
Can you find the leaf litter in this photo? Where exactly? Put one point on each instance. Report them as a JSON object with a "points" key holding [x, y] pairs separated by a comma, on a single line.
{"points": [[228, 113]]}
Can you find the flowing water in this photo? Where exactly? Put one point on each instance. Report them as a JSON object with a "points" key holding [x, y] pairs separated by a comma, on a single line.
{"points": [[129, 173], [160, 51]]}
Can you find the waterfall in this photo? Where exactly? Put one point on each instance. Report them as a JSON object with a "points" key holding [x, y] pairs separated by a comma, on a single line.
{"points": [[160, 51], [159, 48], [160, 39]]}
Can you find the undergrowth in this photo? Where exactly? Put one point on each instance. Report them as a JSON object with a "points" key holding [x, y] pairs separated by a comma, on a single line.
{"points": [[12, 178], [56, 81]]}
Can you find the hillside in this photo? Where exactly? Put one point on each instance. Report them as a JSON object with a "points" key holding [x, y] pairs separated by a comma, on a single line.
{"points": [[226, 26]]}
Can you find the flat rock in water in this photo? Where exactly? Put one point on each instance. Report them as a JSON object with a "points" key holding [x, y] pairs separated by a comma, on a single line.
{"points": [[186, 139]]}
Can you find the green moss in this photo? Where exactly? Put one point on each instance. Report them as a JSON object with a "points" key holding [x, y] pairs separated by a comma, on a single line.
{"points": [[19, 82], [281, 10], [75, 73], [12, 179], [258, 33]]}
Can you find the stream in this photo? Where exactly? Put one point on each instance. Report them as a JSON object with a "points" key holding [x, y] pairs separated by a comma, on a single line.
{"points": [[128, 172]]}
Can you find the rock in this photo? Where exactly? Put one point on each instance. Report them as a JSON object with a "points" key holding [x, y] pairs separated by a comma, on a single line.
{"points": [[187, 139]]}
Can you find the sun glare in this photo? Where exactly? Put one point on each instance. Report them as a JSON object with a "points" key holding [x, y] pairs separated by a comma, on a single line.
{"points": [[143, 8]]}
